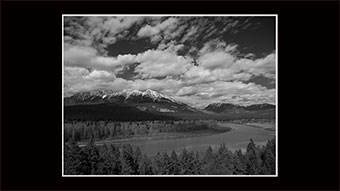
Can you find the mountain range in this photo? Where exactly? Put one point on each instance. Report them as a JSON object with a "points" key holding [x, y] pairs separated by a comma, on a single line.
{"points": [[147, 105], [125, 96]]}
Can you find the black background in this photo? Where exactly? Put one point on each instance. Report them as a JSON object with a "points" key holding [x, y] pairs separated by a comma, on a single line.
{"points": [[31, 85]]}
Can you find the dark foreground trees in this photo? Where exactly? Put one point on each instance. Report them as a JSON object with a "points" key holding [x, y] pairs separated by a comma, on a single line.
{"points": [[126, 160]]}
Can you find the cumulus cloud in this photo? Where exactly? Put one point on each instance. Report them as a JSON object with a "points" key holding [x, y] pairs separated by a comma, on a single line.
{"points": [[211, 71], [196, 94], [167, 86], [148, 30], [198, 75], [230, 92], [156, 63], [201, 95], [101, 75], [87, 57], [97, 32], [216, 54], [170, 46], [215, 60], [80, 79], [79, 56], [74, 74], [224, 67], [217, 78], [164, 29], [125, 59], [217, 45], [265, 66]]}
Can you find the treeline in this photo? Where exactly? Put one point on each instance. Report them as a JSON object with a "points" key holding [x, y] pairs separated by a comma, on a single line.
{"points": [[124, 160], [80, 131]]}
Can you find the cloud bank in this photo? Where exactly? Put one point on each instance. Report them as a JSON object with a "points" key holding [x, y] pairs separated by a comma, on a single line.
{"points": [[190, 60]]}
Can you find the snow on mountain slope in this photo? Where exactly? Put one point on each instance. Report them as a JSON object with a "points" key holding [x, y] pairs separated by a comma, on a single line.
{"points": [[127, 95]]}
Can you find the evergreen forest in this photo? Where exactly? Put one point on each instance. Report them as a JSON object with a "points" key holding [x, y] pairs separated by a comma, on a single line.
{"points": [[127, 160]]}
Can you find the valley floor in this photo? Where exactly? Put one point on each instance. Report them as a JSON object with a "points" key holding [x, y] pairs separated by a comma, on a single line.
{"points": [[159, 136], [235, 136]]}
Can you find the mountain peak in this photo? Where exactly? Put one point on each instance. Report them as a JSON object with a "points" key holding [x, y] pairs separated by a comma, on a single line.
{"points": [[126, 95], [152, 94]]}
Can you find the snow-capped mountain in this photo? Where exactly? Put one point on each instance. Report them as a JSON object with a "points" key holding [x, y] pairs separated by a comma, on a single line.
{"points": [[124, 96], [133, 101]]}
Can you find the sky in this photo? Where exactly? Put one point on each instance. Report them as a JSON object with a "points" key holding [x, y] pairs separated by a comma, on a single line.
{"points": [[196, 60]]}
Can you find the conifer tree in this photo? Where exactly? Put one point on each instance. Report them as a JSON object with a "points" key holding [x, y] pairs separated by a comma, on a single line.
{"points": [[239, 163], [208, 162], [92, 156], [224, 160], [268, 158], [72, 158], [137, 156], [110, 157], [175, 164], [104, 167], [145, 166], [253, 160], [196, 164], [165, 164], [187, 163], [157, 163], [127, 160], [116, 160], [184, 162]]}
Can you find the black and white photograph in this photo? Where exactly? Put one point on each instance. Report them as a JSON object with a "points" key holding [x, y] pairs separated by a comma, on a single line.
{"points": [[169, 95]]}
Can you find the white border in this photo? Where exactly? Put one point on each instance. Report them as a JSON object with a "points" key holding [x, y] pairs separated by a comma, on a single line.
{"points": [[276, 94], [62, 96], [182, 15]]}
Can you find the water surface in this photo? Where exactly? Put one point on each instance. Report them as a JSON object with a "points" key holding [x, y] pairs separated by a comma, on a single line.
{"points": [[238, 138]]}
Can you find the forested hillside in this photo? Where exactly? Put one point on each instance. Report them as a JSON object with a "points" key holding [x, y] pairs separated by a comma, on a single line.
{"points": [[112, 112]]}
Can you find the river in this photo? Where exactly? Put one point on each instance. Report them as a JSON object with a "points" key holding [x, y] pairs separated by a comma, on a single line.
{"points": [[238, 138]]}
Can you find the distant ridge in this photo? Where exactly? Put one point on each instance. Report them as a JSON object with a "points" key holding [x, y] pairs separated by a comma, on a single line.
{"points": [[132, 105], [228, 107]]}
